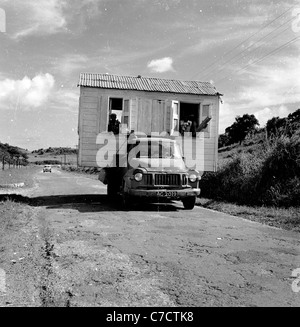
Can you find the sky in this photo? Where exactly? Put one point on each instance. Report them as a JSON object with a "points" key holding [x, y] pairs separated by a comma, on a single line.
{"points": [[249, 49]]}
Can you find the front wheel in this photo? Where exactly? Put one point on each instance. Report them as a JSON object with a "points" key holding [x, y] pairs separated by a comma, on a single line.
{"points": [[189, 202], [126, 202]]}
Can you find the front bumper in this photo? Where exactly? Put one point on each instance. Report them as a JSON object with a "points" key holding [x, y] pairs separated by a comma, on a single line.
{"points": [[164, 193]]}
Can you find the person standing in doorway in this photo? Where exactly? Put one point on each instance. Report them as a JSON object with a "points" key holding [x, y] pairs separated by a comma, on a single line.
{"points": [[114, 124]]}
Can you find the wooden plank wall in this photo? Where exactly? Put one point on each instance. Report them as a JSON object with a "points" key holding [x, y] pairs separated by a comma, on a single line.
{"points": [[148, 111]]}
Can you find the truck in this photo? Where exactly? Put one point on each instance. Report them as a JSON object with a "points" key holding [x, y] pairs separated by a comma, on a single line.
{"points": [[150, 138]]}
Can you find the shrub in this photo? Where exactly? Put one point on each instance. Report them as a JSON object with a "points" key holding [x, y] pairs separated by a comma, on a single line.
{"points": [[267, 175]]}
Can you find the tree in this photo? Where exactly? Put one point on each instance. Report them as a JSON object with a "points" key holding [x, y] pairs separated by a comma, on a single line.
{"points": [[284, 126], [242, 126], [25, 156], [294, 122], [223, 140], [276, 126]]}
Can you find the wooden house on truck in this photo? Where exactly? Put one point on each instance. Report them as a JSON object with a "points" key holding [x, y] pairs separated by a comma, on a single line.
{"points": [[146, 105]]}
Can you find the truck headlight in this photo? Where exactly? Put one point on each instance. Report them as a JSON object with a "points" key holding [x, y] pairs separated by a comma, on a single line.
{"points": [[138, 177], [193, 178]]}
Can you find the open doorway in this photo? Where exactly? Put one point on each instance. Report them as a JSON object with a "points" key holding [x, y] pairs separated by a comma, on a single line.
{"points": [[116, 107], [115, 115], [189, 117]]}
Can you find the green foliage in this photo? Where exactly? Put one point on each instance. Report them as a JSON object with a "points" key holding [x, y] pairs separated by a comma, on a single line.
{"points": [[55, 151], [276, 126], [86, 170], [284, 126], [223, 140], [9, 153], [262, 171], [242, 126]]}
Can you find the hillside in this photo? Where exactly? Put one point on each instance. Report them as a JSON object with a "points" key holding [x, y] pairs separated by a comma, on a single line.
{"points": [[61, 155], [263, 169], [55, 151], [9, 153]]}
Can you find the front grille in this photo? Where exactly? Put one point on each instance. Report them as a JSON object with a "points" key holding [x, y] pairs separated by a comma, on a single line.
{"points": [[148, 179], [167, 179]]}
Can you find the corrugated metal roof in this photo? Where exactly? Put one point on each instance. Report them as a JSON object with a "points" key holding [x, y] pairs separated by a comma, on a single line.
{"points": [[150, 84]]}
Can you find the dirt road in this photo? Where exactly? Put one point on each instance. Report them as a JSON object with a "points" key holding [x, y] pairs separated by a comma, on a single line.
{"points": [[72, 247]]}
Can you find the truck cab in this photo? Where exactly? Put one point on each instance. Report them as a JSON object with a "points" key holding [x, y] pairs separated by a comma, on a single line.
{"points": [[155, 170]]}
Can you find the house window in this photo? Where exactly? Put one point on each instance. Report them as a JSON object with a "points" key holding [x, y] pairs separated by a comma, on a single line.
{"points": [[115, 114], [116, 107]]}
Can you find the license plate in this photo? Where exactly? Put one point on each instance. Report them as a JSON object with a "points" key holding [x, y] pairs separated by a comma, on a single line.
{"points": [[166, 193]]}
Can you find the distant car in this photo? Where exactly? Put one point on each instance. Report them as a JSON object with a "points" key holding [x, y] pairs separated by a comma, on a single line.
{"points": [[47, 168]]}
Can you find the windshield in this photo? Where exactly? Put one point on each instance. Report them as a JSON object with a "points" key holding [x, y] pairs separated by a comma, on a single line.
{"points": [[157, 149]]}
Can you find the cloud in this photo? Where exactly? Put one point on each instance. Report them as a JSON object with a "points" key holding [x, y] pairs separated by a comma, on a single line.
{"points": [[267, 91], [65, 99], [70, 63], [161, 65], [46, 17], [227, 115], [267, 113], [27, 93], [274, 84], [40, 17], [81, 12]]}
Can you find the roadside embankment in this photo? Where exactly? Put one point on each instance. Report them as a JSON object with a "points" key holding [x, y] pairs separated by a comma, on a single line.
{"points": [[17, 178]]}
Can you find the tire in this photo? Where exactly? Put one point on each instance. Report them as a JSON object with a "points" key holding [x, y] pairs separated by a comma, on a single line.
{"points": [[113, 182], [126, 202], [189, 202]]}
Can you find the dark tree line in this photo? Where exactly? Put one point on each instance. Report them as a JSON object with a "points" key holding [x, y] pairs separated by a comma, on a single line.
{"points": [[247, 124], [238, 131], [55, 151], [12, 156], [284, 126]]}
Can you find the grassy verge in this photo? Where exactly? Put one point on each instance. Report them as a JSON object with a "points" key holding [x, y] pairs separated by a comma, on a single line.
{"points": [[9, 213], [265, 175], [288, 219], [22, 175], [87, 172]]}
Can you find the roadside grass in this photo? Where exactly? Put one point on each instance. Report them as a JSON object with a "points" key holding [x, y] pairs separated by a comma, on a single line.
{"points": [[22, 175], [87, 172], [285, 218], [9, 215]]}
